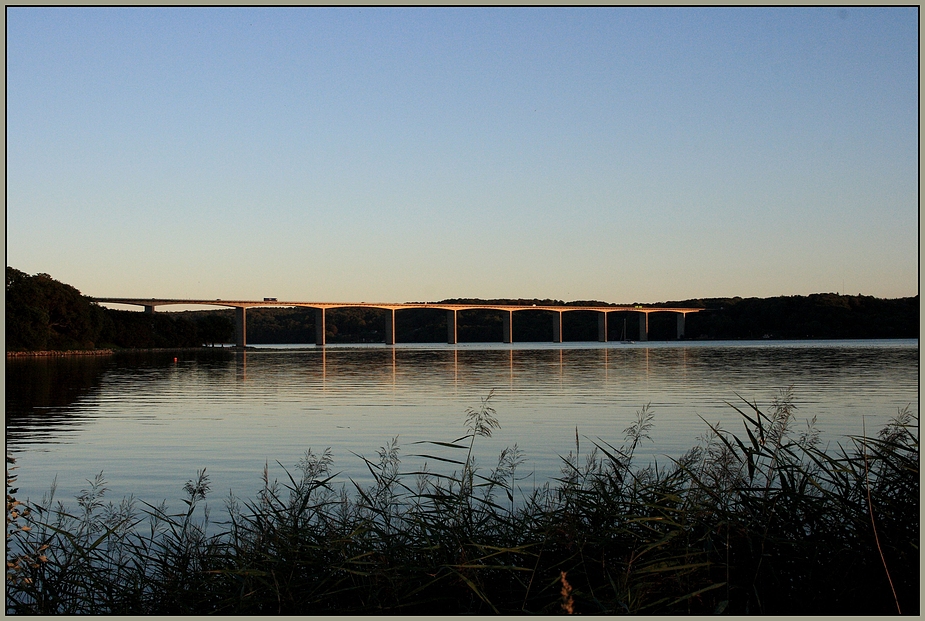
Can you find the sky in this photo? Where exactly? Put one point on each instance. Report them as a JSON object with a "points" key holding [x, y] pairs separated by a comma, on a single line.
{"points": [[411, 154]]}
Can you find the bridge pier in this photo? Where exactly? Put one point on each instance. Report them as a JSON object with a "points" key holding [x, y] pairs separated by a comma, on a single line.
{"points": [[644, 326], [557, 327], [148, 305], [320, 328], [451, 327], [390, 327], [240, 327]]}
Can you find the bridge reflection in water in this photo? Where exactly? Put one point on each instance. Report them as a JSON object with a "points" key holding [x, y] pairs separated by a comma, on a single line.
{"points": [[241, 306]]}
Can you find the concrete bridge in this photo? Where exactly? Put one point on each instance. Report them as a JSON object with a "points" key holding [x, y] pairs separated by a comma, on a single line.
{"points": [[241, 306]]}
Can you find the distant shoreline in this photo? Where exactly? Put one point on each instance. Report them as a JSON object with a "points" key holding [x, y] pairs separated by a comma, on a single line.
{"points": [[72, 352], [98, 352]]}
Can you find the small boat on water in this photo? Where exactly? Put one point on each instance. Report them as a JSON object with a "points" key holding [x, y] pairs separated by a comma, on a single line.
{"points": [[623, 336]]}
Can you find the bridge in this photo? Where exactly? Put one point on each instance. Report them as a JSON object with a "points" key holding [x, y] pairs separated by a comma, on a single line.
{"points": [[241, 306]]}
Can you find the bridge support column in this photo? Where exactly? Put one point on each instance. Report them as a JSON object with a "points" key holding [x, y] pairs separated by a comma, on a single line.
{"points": [[149, 310], [451, 327], [643, 326], [240, 327], [557, 327], [390, 327], [507, 321], [602, 326], [320, 327], [681, 317]]}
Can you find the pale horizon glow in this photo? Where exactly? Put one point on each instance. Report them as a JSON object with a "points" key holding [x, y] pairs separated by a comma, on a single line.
{"points": [[626, 155]]}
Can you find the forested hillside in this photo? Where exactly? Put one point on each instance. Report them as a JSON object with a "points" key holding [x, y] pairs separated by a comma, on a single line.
{"points": [[44, 314], [816, 316]]}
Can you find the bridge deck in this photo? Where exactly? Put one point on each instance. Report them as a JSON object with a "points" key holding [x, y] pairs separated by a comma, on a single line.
{"points": [[385, 305]]}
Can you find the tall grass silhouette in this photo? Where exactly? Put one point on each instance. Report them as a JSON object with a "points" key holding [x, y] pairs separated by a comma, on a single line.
{"points": [[764, 521]]}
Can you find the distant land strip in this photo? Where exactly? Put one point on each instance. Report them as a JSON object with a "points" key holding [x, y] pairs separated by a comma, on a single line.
{"points": [[45, 317], [59, 352], [97, 352]]}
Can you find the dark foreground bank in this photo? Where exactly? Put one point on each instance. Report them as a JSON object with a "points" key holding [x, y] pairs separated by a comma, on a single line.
{"points": [[760, 522]]}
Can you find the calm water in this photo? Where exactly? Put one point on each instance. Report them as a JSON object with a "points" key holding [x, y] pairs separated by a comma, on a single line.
{"points": [[149, 422]]}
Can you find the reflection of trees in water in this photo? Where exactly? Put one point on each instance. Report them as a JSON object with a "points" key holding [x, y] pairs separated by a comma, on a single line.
{"points": [[39, 390], [50, 381]]}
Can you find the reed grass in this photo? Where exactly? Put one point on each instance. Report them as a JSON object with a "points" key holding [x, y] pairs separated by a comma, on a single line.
{"points": [[763, 521]]}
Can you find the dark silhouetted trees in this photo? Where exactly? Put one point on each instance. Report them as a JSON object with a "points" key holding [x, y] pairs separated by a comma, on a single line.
{"points": [[42, 313]]}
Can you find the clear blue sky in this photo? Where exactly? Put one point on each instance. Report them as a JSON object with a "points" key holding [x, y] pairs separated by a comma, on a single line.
{"points": [[368, 154]]}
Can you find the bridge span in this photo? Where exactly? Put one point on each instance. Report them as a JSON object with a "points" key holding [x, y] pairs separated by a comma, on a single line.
{"points": [[241, 306]]}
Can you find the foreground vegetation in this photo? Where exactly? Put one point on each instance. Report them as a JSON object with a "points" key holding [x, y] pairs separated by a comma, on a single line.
{"points": [[765, 523]]}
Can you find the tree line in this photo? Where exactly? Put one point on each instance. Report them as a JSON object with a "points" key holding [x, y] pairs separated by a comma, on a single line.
{"points": [[45, 314]]}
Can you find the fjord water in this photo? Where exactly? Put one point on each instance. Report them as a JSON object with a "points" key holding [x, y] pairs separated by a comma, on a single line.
{"points": [[150, 421]]}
